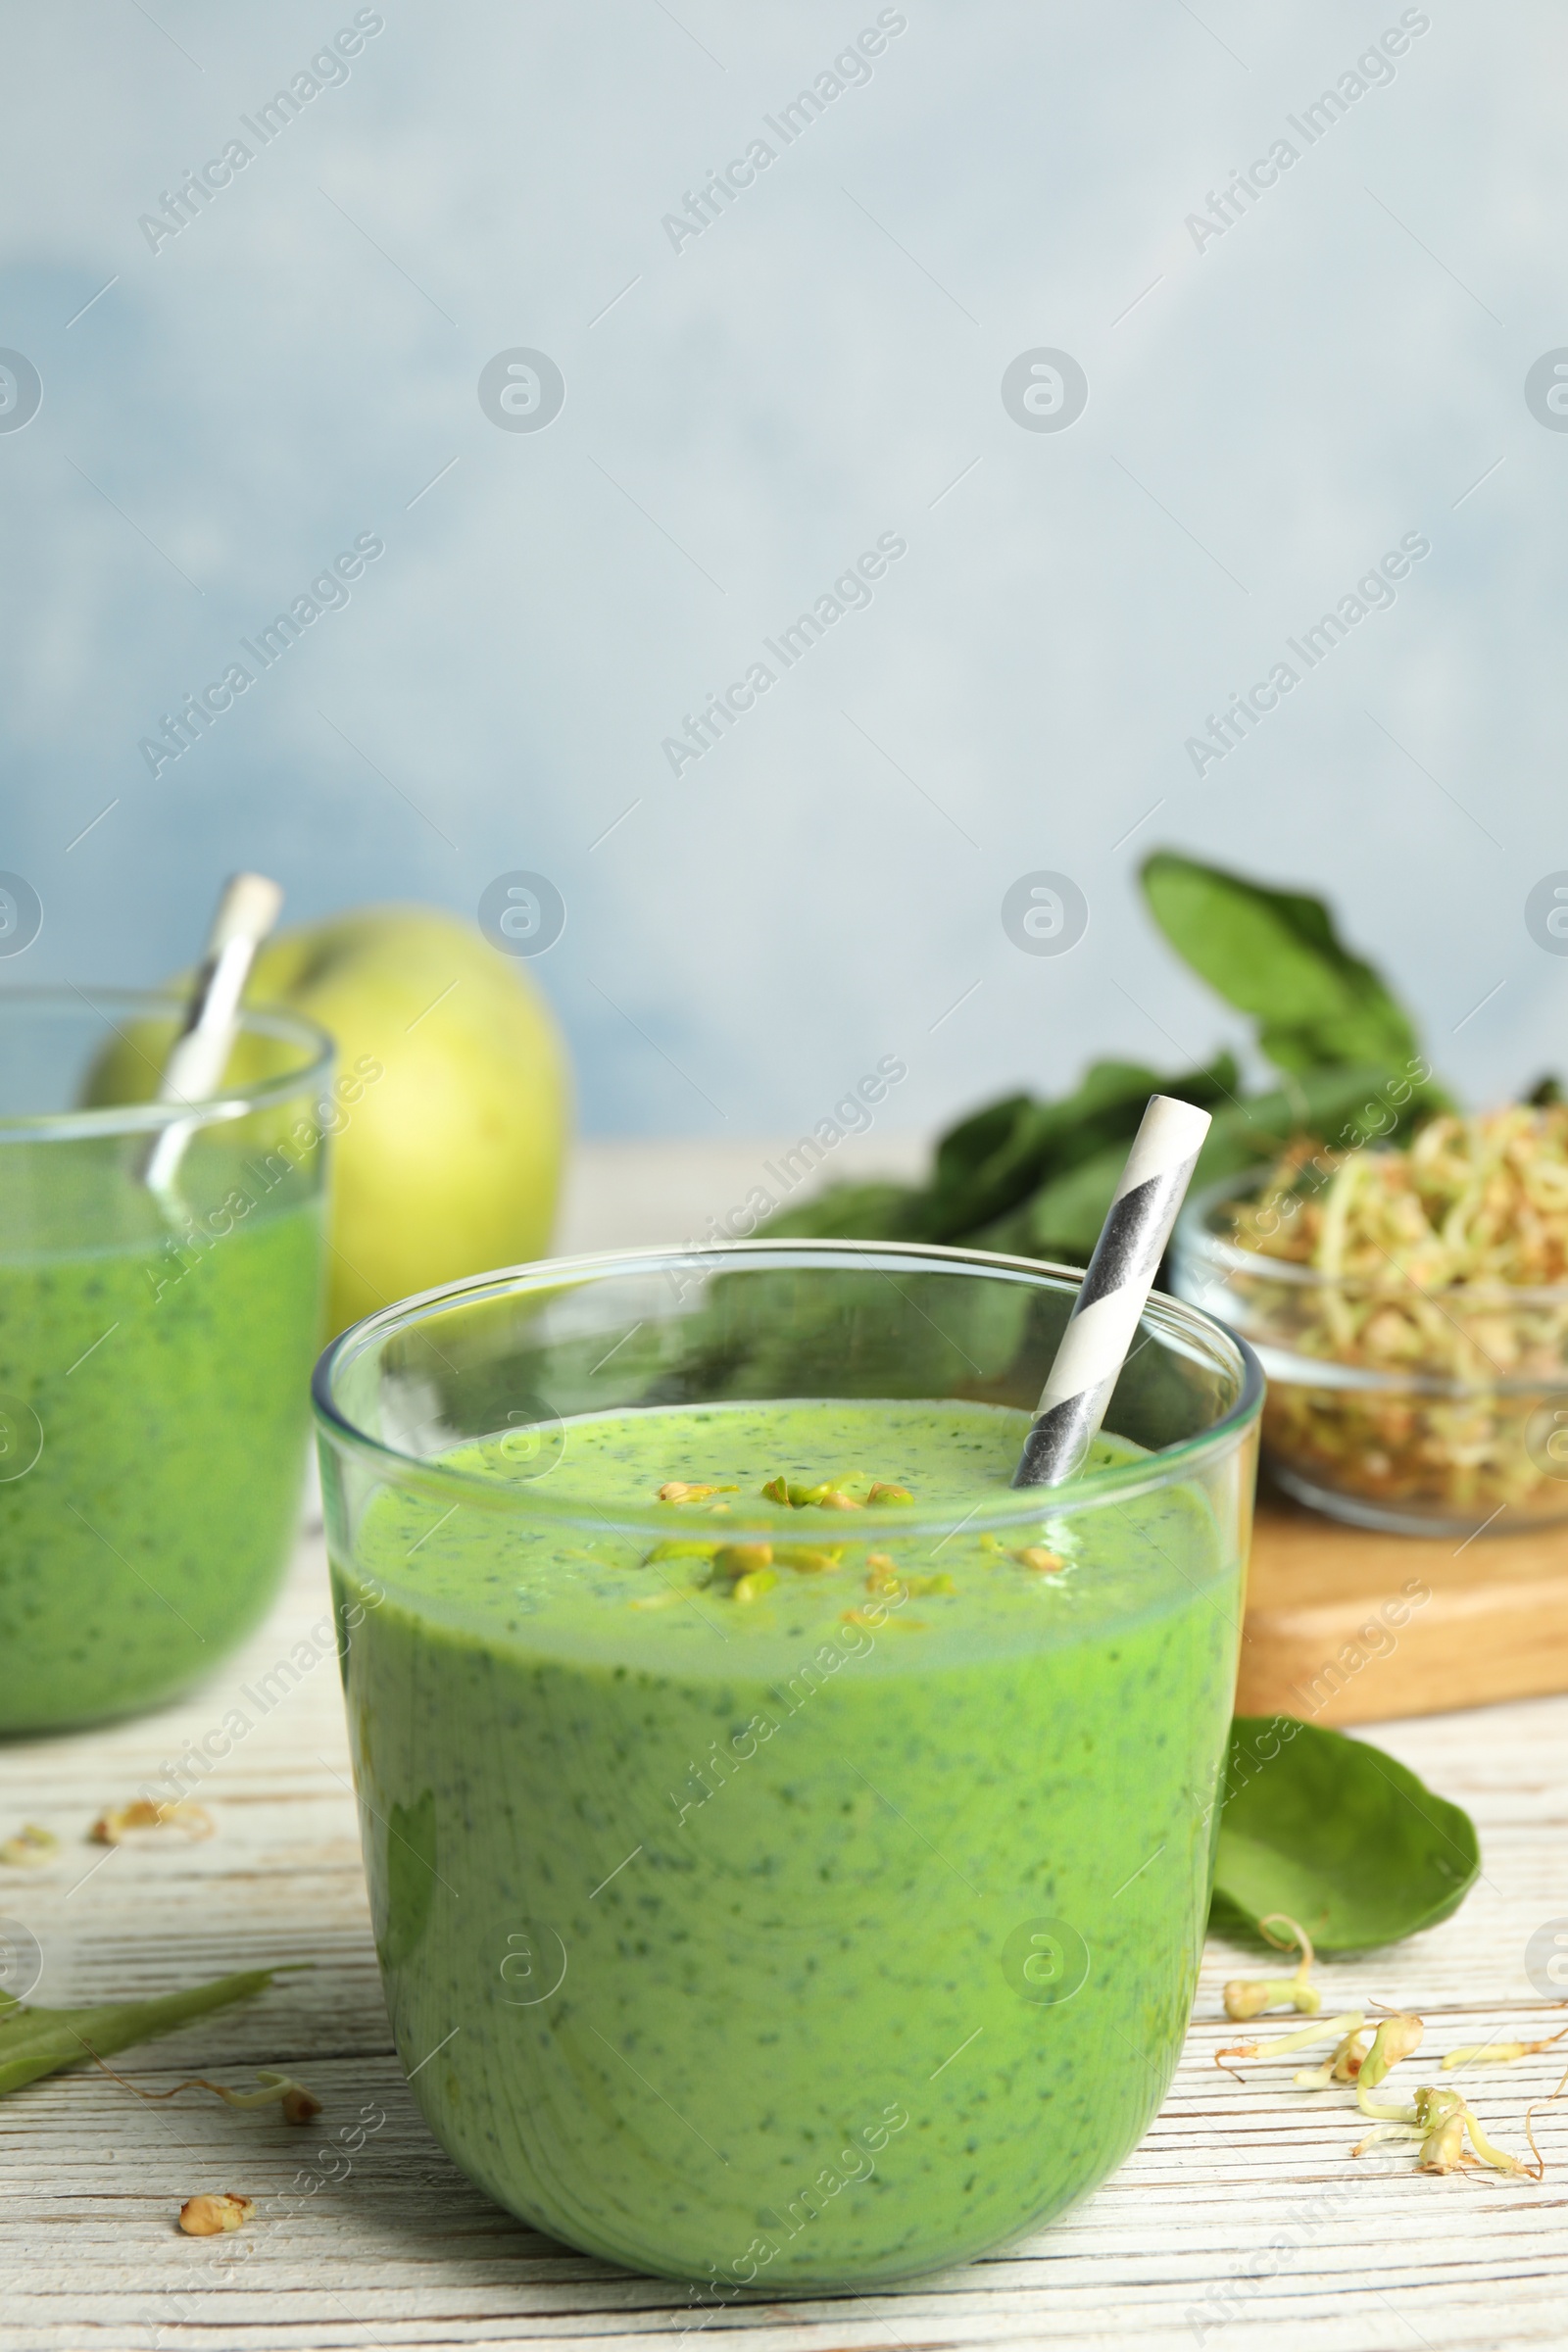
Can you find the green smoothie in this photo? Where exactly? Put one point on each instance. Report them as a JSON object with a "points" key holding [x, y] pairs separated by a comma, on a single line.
{"points": [[153, 1410], [806, 1910]]}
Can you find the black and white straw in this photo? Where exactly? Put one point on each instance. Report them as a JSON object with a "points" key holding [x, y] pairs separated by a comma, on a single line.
{"points": [[1115, 1291]]}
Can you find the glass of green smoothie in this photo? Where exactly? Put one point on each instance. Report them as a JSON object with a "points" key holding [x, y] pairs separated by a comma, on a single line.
{"points": [[155, 1346], [789, 1845]]}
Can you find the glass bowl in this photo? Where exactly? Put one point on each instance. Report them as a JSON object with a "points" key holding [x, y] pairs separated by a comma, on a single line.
{"points": [[1421, 1411], [756, 1928]]}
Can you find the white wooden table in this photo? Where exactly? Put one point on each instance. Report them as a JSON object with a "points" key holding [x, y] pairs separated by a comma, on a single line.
{"points": [[1240, 2220]]}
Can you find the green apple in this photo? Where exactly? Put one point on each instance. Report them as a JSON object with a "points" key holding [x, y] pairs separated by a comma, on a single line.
{"points": [[451, 1159], [447, 1160]]}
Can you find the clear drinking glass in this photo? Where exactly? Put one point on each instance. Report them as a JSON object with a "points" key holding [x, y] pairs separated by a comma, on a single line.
{"points": [[782, 1894], [155, 1346]]}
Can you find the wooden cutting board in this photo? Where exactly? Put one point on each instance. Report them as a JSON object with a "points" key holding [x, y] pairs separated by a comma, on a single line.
{"points": [[1346, 1626]]}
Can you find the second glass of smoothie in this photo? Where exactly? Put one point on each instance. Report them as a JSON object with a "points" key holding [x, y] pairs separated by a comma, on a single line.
{"points": [[789, 1845], [155, 1346]]}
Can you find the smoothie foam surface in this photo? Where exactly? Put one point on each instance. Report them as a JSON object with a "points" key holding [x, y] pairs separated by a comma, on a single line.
{"points": [[561, 1576]]}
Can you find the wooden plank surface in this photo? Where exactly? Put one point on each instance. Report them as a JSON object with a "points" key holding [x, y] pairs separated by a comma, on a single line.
{"points": [[1239, 2220], [1348, 1626]]}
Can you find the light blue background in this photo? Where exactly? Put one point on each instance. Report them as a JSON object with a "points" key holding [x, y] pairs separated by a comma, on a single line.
{"points": [[818, 367]]}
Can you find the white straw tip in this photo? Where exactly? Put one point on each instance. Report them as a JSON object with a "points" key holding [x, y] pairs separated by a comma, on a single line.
{"points": [[1183, 1123], [248, 908], [1170, 1136]]}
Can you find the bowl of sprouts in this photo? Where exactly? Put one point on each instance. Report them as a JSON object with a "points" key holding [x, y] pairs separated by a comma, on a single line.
{"points": [[1411, 1308]]}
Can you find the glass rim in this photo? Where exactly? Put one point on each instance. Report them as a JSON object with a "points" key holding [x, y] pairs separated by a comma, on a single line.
{"points": [[147, 1118], [1194, 1237], [1179, 1319]]}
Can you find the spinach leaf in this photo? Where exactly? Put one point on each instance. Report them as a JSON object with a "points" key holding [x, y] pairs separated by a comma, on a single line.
{"points": [[1035, 1178], [1275, 955], [40, 2041], [1063, 1219], [1045, 1141], [1338, 1835], [965, 1148], [999, 1159]]}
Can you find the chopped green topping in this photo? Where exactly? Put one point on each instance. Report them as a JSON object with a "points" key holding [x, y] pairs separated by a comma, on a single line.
{"points": [[828, 1494], [747, 1570], [740, 1559], [883, 1576], [1037, 1557]]}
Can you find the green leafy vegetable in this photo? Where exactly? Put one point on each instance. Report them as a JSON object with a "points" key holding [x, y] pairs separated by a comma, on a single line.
{"points": [[1001, 1158], [1037, 1178], [41, 2042], [1336, 1834], [1044, 1186], [1063, 1218], [984, 1169], [1275, 955]]}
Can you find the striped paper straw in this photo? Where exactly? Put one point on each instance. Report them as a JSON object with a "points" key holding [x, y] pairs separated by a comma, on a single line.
{"points": [[1113, 1293], [194, 1071]]}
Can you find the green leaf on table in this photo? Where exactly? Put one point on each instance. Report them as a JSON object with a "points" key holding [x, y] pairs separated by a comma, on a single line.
{"points": [[1275, 953], [41, 2042], [1337, 1835]]}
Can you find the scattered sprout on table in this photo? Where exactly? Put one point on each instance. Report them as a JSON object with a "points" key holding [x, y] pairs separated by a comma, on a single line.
{"points": [[142, 1817], [1498, 2053], [211, 2215], [1440, 2120], [1250, 1996], [297, 2104], [31, 1849]]}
